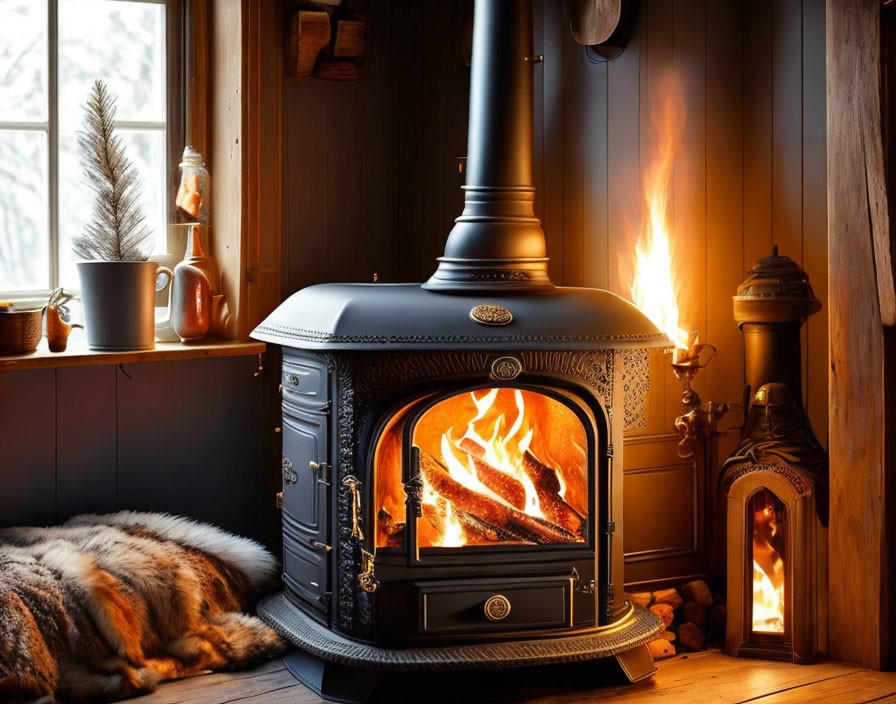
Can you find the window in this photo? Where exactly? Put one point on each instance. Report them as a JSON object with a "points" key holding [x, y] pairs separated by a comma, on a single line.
{"points": [[51, 51]]}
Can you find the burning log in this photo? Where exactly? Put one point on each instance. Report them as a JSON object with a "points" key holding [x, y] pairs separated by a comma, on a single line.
{"points": [[489, 510], [475, 531], [505, 486], [393, 531], [547, 486]]}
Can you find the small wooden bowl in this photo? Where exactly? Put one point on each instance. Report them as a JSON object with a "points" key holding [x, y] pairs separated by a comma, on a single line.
{"points": [[20, 331]]}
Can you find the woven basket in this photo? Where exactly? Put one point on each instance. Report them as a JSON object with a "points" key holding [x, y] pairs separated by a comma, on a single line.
{"points": [[20, 331]]}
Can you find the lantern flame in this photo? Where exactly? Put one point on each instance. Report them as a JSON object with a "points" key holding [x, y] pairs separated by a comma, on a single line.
{"points": [[768, 567]]}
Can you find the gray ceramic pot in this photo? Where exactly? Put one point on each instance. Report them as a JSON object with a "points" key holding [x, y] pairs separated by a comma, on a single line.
{"points": [[118, 299]]}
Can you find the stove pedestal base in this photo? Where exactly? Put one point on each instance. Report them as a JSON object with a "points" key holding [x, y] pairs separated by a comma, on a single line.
{"points": [[636, 664], [332, 681], [625, 639]]}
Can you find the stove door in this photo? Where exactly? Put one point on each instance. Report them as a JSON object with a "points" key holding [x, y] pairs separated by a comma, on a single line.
{"points": [[306, 483]]}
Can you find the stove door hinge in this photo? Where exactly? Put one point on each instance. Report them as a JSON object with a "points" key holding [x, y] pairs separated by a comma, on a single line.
{"points": [[322, 470], [611, 527], [608, 608], [610, 451]]}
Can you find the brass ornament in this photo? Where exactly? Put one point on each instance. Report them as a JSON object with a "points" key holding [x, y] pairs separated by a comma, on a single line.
{"points": [[491, 314], [506, 368], [289, 474], [497, 607]]}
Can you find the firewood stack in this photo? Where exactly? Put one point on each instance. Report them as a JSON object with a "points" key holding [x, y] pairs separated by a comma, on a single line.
{"points": [[693, 618]]}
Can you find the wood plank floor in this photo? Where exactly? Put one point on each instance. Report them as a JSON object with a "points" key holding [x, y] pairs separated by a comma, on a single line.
{"points": [[708, 677]]}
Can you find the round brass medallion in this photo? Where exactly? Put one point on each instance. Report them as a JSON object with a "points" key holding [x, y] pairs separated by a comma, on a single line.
{"points": [[497, 607], [491, 315], [506, 368]]}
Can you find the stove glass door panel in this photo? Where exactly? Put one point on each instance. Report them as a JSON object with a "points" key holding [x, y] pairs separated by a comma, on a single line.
{"points": [[767, 518], [494, 466]]}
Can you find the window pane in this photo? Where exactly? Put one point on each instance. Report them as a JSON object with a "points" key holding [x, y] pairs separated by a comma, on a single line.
{"points": [[24, 232], [23, 60], [123, 43], [146, 150]]}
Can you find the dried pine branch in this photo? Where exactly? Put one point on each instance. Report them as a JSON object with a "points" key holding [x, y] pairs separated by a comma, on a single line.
{"points": [[117, 231]]}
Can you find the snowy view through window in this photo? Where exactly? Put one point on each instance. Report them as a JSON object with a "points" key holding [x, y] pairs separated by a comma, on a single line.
{"points": [[120, 42]]}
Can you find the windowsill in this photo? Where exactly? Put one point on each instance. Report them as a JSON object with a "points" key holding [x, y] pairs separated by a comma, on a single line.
{"points": [[78, 354]]}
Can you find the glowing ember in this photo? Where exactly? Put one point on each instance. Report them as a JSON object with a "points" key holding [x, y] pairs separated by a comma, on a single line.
{"points": [[768, 566], [654, 287]]}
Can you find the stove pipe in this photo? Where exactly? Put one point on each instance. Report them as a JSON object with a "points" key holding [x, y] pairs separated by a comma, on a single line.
{"points": [[497, 244]]}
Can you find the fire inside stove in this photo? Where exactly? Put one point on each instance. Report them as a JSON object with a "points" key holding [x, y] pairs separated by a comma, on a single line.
{"points": [[497, 465], [769, 517]]}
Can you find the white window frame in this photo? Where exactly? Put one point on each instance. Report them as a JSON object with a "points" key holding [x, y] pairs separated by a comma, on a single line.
{"points": [[50, 127]]}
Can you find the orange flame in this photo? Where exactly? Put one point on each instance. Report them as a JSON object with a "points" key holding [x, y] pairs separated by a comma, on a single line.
{"points": [[654, 287], [768, 568], [486, 442], [768, 602], [502, 450]]}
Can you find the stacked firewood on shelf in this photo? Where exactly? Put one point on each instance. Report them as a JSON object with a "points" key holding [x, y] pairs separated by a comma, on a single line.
{"points": [[693, 618]]}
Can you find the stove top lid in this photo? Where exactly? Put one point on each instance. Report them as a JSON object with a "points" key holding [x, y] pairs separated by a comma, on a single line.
{"points": [[407, 316]]}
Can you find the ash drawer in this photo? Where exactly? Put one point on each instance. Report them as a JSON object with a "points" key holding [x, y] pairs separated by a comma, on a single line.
{"points": [[304, 382], [456, 606]]}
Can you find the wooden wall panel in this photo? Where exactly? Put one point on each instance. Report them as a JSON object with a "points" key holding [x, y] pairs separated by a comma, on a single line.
{"points": [[725, 160], [758, 112], [815, 222], [372, 166], [862, 396]]}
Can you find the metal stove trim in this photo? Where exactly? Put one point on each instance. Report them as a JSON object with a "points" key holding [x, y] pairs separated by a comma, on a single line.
{"points": [[324, 339], [635, 628]]}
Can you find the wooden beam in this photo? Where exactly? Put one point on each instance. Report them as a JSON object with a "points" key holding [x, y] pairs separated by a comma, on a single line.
{"points": [[861, 302], [244, 117]]}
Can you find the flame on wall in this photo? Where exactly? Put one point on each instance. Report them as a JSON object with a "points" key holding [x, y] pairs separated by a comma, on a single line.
{"points": [[655, 287]]}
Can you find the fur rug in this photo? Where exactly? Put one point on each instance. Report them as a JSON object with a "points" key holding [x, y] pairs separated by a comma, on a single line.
{"points": [[109, 606]]}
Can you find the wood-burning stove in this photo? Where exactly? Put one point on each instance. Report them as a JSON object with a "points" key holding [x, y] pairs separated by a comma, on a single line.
{"points": [[775, 482], [452, 484]]}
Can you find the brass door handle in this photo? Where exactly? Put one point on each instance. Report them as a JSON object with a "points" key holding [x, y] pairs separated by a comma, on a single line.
{"points": [[352, 483]]}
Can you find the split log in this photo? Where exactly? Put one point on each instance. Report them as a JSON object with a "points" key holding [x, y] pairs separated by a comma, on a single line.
{"points": [[490, 511], [665, 612], [505, 486], [667, 596], [660, 648], [694, 613], [690, 636], [547, 486], [309, 33], [393, 531], [475, 531], [698, 592], [642, 598]]}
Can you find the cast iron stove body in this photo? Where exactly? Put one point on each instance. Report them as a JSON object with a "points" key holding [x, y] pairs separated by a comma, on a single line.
{"points": [[452, 471]]}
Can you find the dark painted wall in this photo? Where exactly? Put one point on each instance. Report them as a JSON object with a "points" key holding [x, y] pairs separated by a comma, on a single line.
{"points": [[183, 437]]}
